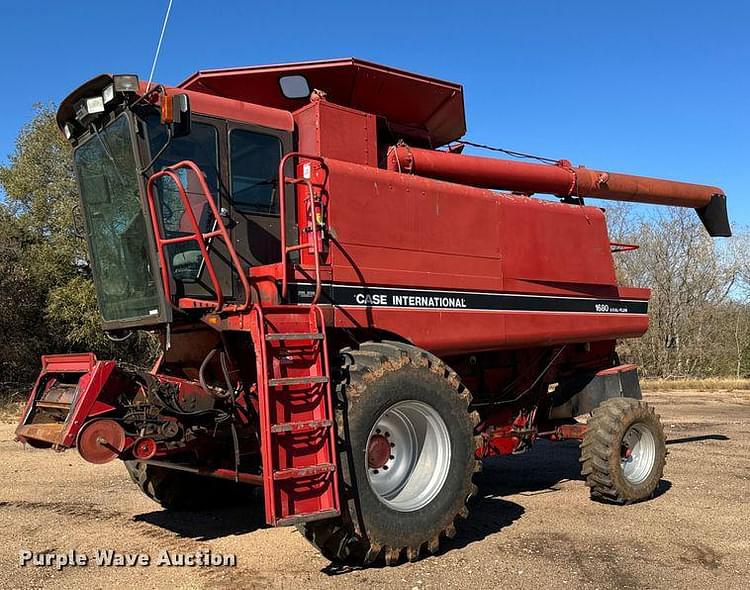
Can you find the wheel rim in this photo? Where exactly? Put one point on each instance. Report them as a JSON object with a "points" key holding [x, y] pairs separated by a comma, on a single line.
{"points": [[637, 453], [408, 455]]}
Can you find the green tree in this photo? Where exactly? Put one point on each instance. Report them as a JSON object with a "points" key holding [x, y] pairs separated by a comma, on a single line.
{"points": [[46, 292]]}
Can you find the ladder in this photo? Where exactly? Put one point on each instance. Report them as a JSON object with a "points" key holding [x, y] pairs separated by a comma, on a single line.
{"points": [[297, 428]]}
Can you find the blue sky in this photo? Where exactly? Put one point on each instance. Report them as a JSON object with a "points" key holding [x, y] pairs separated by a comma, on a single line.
{"points": [[654, 88]]}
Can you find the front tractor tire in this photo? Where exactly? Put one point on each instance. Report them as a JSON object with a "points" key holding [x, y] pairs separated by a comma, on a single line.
{"points": [[623, 452], [406, 450]]}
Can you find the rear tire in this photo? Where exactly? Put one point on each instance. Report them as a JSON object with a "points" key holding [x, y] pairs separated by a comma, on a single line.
{"points": [[398, 396], [623, 452], [180, 490]]}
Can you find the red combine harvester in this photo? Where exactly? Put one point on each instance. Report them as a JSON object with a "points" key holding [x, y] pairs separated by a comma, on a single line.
{"points": [[350, 317]]}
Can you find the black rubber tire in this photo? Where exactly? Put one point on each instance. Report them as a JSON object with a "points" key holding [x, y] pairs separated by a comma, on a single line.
{"points": [[601, 451], [179, 490], [368, 381]]}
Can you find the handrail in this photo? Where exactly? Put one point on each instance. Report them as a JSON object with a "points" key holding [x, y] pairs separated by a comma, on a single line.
{"points": [[285, 250], [198, 236], [313, 232]]}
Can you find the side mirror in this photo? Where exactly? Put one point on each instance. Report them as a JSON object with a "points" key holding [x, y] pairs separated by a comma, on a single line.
{"points": [[175, 112], [182, 118]]}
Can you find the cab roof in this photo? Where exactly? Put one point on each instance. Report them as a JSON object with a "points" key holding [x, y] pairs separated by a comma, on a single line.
{"points": [[412, 104]]}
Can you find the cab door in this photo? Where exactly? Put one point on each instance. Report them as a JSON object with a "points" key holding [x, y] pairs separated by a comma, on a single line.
{"points": [[253, 155], [205, 147]]}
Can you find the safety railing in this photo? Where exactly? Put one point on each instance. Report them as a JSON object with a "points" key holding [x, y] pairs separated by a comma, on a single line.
{"points": [[200, 237], [313, 230]]}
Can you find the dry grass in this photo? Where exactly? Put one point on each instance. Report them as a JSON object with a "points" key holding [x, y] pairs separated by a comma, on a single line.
{"points": [[712, 384], [11, 403]]}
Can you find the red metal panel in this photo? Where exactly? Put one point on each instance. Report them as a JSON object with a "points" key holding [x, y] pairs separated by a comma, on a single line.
{"points": [[546, 243], [94, 376], [337, 132], [236, 110], [405, 231], [392, 229], [449, 332], [415, 105], [68, 363]]}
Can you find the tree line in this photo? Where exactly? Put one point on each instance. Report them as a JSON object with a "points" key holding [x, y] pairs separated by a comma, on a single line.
{"points": [[47, 296], [699, 318], [699, 327]]}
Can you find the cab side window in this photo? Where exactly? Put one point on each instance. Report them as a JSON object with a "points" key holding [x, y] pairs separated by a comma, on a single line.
{"points": [[201, 147], [254, 161]]}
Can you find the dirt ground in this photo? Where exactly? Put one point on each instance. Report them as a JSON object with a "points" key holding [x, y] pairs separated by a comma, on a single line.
{"points": [[534, 526]]}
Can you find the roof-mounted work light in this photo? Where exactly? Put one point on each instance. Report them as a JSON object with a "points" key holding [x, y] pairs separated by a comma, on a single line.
{"points": [[125, 82], [108, 94]]}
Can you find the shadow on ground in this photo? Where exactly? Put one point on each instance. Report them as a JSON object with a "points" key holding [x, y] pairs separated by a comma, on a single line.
{"points": [[211, 524], [702, 437], [539, 471]]}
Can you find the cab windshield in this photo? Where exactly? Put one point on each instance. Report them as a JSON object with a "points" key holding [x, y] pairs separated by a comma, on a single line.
{"points": [[107, 173]]}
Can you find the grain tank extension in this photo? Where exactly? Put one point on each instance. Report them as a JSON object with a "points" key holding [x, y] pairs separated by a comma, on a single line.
{"points": [[352, 313]]}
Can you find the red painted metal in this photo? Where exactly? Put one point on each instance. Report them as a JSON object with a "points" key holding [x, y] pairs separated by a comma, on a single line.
{"points": [[498, 442], [220, 473], [197, 235], [412, 232], [414, 105], [559, 178], [618, 369], [504, 434], [378, 451], [309, 240], [144, 449], [101, 441], [566, 432], [295, 404], [371, 216], [94, 375]]}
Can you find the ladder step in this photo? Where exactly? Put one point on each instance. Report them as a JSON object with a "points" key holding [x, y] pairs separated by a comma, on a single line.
{"points": [[296, 381], [307, 517], [303, 426], [302, 472], [295, 336]]}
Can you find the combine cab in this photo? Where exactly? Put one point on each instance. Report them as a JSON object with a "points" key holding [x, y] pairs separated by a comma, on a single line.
{"points": [[351, 316]]}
